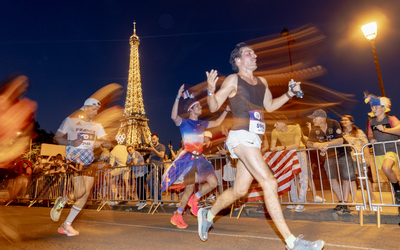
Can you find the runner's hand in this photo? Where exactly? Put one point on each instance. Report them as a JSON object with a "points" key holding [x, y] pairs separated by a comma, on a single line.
{"points": [[180, 91], [76, 142], [212, 79]]}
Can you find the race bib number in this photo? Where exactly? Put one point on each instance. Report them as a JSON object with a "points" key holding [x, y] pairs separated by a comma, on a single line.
{"points": [[256, 124]]}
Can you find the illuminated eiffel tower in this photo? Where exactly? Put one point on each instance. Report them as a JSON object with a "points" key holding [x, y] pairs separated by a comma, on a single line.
{"points": [[134, 128]]}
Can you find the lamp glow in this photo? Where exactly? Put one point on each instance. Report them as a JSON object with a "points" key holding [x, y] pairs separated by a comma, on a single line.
{"points": [[370, 30]]}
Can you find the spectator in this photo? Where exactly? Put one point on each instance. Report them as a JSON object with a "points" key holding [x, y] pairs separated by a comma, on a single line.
{"points": [[104, 159], [383, 127], [290, 138], [135, 160], [157, 151], [327, 133], [357, 138], [21, 182], [118, 157]]}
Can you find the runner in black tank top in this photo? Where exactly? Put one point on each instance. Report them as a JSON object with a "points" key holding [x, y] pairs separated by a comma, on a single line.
{"points": [[248, 96]]}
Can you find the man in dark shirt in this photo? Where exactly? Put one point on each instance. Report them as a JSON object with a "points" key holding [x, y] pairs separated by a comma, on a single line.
{"points": [[328, 133], [157, 151]]}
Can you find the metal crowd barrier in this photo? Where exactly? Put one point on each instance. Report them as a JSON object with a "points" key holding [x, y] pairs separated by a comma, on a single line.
{"points": [[120, 184], [386, 192]]}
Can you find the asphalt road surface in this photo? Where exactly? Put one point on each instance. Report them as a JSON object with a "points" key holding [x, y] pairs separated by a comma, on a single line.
{"points": [[31, 228]]}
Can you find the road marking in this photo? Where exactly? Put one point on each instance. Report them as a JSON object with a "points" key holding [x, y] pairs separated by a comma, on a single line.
{"points": [[220, 234]]}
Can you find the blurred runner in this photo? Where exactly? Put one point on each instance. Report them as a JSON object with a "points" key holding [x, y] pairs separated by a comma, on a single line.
{"points": [[81, 136], [191, 160]]}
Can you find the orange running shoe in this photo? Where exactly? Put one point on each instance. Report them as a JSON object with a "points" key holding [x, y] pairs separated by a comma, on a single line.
{"points": [[177, 220]]}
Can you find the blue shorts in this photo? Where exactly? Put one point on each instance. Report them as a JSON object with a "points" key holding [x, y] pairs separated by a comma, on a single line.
{"points": [[186, 164]]}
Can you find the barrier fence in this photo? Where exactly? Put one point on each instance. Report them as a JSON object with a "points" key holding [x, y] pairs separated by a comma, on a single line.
{"points": [[305, 177]]}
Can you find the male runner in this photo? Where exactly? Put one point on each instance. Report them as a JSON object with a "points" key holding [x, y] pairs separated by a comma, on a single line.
{"points": [[191, 160], [248, 96], [81, 134]]}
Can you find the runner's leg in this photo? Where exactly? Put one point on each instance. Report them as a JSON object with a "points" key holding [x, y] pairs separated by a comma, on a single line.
{"points": [[255, 164]]}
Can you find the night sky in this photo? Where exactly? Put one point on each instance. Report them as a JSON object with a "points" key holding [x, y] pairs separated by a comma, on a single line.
{"points": [[70, 49]]}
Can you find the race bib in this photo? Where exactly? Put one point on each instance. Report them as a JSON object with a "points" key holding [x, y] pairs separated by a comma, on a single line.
{"points": [[256, 124]]}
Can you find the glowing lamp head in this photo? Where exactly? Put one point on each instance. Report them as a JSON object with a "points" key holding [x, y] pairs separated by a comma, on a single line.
{"points": [[370, 30]]}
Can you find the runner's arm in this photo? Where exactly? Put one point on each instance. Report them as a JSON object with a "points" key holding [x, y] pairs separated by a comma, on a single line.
{"points": [[271, 104], [59, 139], [218, 122], [216, 99], [174, 113]]}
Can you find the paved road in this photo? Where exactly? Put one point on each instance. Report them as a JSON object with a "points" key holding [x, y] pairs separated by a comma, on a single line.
{"points": [[111, 229]]}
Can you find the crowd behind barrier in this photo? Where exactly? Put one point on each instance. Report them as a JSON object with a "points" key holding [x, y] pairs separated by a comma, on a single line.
{"points": [[123, 184]]}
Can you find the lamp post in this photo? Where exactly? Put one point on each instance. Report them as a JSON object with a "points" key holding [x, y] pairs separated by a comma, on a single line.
{"points": [[290, 41], [370, 31]]}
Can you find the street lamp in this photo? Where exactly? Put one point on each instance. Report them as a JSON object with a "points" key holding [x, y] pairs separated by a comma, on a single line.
{"points": [[290, 41], [370, 31]]}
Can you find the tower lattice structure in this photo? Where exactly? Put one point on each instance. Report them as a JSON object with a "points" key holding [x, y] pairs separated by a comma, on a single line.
{"points": [[134, 128]]}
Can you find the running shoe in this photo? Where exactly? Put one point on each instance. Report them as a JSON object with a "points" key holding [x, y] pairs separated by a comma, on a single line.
{"points": [[260, 208], [299, 208], [291, 206], [142, 206], [212, 197], [346, 210], [338, 208], [300, 244], [57, 208], [194, 205], [203, 224], [67, 229], [177, 220], [319, 199]]}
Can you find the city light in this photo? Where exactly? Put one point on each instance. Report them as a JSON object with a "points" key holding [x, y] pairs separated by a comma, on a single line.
{"points": [[370, 30]]}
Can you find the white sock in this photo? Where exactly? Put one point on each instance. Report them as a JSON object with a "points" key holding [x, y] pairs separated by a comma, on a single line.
{"points": [[72, 214], [290, 241]]}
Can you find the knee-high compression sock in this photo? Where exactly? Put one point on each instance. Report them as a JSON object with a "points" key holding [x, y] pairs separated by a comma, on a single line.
{"points": [[72, 214]]}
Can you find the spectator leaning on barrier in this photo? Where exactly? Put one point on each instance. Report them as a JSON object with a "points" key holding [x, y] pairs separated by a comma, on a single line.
{"points": [[327, 133], [118, 158], [357, 138], [136, 159], [104, 158], [383, 127], [290, 138], [157, 151]]}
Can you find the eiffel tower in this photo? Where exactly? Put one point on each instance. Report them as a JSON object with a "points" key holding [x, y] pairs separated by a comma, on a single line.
{"points": [[134, 128]]}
